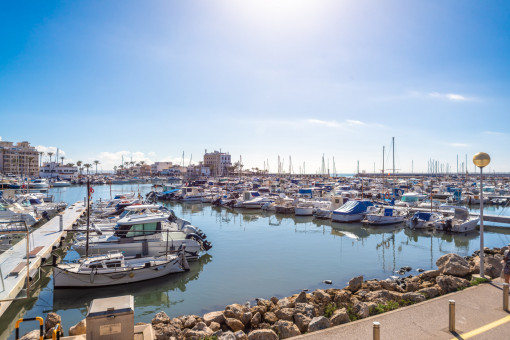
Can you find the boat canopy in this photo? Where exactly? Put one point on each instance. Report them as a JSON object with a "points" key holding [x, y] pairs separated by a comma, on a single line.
{"points": [[425, 216], [169, 191], [353, 207]]}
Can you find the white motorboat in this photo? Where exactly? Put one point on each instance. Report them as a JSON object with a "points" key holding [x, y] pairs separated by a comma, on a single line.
{"points": [[461, 222], [257, 202], [16, 212], [114, 269], [424, 220], [351, 211], [143, 235], [304, 208], [40, 183], [386, 215], [59, 184]]}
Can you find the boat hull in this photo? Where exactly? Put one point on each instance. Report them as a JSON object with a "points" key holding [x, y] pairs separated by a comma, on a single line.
{"points": [[346, 217]]}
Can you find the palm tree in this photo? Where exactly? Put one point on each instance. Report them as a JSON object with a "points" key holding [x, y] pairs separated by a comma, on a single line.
{"points": [[62, 159], [50, 154], [41, 154], [30, 160], [87, 166], [96, 162], [70, 164], [78, 164], [142, 162], [115, 169]]}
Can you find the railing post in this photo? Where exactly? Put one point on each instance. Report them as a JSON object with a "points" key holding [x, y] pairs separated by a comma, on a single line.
{"points": [[61, 222], [505, 297], [452, 315], [377, 330]]}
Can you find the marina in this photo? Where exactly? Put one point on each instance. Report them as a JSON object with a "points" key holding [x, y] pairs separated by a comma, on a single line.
{"points": [[333, 244]]}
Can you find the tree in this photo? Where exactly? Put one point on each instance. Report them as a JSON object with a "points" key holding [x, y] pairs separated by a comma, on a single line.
{"points": [[50, 154], [62, 159], [41, 154], [70, 164], [96, 162], [30, 160], [87, 166], [79, 163], [142, 162], [115, 169]]}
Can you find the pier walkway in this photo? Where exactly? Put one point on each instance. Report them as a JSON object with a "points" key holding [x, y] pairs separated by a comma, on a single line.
{"points": [[479, 315], [13, 261]]}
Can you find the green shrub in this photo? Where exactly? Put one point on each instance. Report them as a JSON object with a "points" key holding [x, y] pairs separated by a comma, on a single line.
{"points": [[330, 309], [476, 281], [352, 315], [406, 302], [384, 307]]}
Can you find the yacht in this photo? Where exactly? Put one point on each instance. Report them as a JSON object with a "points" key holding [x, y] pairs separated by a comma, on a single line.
{"points": [[461, 222], [40, 183], [114, 269], [424, 220], [147, 235]]}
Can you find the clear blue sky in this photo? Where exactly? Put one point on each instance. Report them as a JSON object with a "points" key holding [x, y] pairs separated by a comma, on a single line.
{"points": [[151, 79]]}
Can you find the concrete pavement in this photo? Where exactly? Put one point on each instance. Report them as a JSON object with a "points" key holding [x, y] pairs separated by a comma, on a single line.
{"points": [[475, 307]]}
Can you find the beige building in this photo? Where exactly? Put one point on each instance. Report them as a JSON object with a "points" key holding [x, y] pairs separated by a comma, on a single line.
{"points": [[19, 159], [217, 162]]}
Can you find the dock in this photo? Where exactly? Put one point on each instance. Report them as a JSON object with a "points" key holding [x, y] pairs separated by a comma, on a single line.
{"points": [[43, 240], [486, 217]]}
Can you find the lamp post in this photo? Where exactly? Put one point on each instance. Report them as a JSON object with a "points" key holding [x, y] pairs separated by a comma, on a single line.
{"points": [[481, 160]]}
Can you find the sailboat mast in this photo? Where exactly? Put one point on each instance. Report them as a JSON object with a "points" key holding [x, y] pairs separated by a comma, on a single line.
{"points": [[393, 143]]}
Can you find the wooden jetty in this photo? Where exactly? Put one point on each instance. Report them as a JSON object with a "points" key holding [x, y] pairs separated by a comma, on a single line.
{"points": [[13, 262]]}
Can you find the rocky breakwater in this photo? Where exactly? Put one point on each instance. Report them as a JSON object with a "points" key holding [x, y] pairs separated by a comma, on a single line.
{"points": [[309, 312]]}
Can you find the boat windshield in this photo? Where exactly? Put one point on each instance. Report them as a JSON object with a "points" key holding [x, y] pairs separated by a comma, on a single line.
{"points": [[134, 230], [410, 199]]}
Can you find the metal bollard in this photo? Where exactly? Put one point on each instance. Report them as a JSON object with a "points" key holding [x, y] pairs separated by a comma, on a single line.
{"points": [[61, 220], [505, 297], [452, 315], [377, 330]]}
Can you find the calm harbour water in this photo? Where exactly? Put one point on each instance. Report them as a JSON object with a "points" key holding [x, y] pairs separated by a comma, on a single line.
{"points": [[255, 254]]}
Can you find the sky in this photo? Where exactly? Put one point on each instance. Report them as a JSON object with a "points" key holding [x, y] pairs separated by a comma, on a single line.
{"points": [[260, 79]]}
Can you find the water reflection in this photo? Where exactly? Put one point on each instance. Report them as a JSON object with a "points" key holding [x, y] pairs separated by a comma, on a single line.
{"points": [[148, 293]]}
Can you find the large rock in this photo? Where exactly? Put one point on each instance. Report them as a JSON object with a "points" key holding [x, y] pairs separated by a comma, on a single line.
{"points": [[285, 303], [339, 317], [361, 310], [380, 296], [306, 309], [258, 309], [287, 329], [450, 283], [429, 292], [79, 328], [355, 283], [229, 335], [270, 317], [492, 268], [318, 323], [453, 264], [199, 331], [256, 320], [161, 317], [342, 297], [213, 317], [240, 335], [302, 321], [262, 334], [32, 335], [372, 285], [234, 311], [234, 324], [285, 314], [301, 298], [429, 274], [167, 331], [414, 297], [214, 326], [390, 285], [246, 318], [322, 296], [52, 319], [190, 321]]}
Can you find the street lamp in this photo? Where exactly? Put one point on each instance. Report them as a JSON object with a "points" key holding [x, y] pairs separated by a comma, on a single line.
{"points": [[481, 160]]}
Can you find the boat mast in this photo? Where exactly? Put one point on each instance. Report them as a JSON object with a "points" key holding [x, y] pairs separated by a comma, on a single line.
{"points": [[88, 218], [393, 144]]}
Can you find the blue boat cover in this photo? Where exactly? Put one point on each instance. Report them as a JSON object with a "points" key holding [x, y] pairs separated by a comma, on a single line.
{"points": [[169, 191], [388, 211], [353, 207], [425, 216]]}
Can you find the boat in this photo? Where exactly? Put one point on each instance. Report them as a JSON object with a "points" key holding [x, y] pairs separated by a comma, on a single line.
{"points": [[304, 208], [148, 235], [351, 211], [386, 215], [115, 269], [460, 222], [424, 220], [58, 184], [40, 183], [257, 202]]}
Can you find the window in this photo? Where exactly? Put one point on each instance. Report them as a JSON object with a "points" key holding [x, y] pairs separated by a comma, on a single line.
{"points": [[113, 264]]}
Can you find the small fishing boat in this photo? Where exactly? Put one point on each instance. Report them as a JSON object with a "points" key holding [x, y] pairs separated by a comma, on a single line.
{"points": [[385, 216], [424, 220], [114, 269], [461, 222], [351, 211]]}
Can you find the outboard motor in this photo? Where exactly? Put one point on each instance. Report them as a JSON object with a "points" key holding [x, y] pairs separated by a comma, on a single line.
{"points": [[448, 225]]}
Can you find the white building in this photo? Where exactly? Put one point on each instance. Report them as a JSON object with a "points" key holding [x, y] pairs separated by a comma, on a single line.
{"points": [[56, 170], [217, 162], [159, 167]]}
